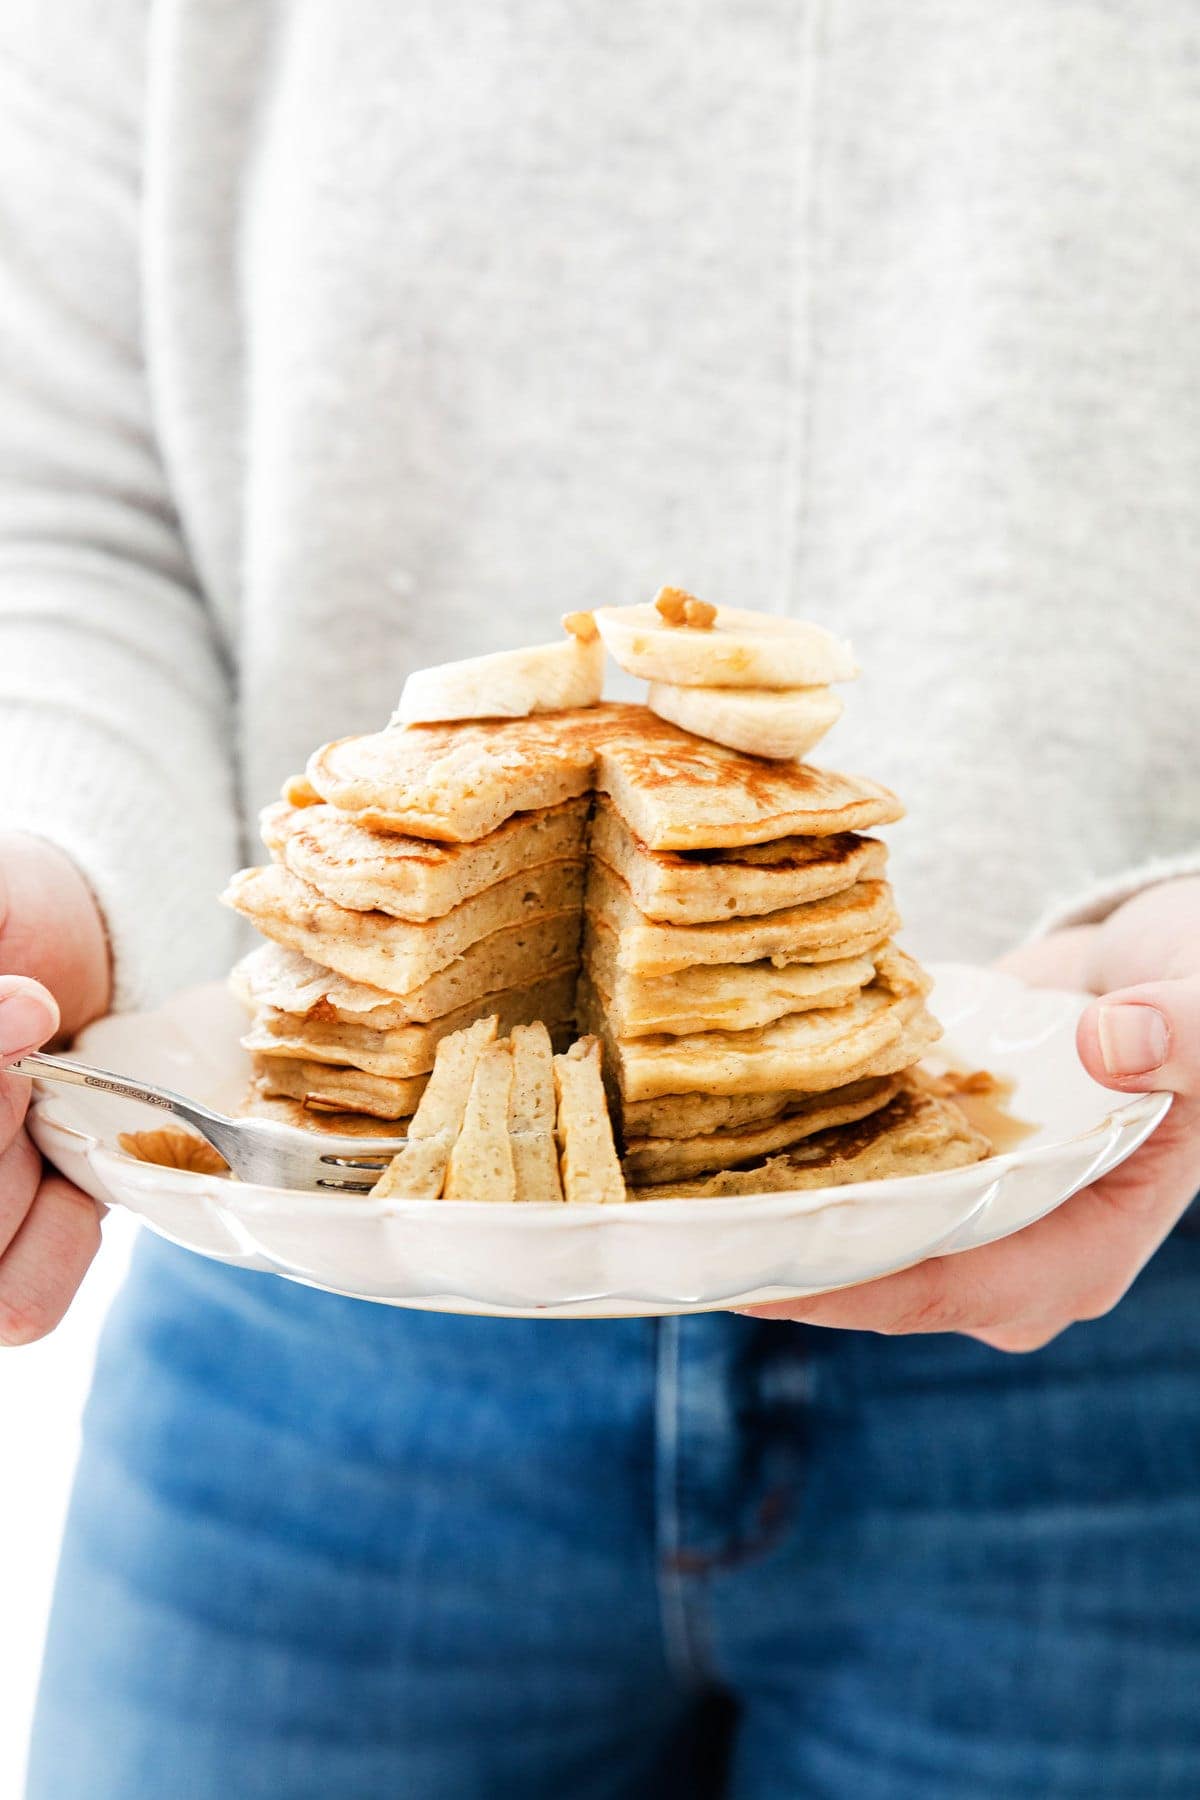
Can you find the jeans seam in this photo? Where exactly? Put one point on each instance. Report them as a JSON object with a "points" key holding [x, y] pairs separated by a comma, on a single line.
{"points": [[678, 1643]]}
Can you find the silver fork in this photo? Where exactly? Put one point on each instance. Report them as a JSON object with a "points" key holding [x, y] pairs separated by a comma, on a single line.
{"points": [[256, 1150]]}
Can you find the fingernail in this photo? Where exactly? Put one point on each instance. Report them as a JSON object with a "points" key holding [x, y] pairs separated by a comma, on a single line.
{"points": [[25, 1022], [1133, 1039]]}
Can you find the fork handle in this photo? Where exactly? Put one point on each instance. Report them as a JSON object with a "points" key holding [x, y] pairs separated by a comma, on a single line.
{"points": [[59, 1068]]}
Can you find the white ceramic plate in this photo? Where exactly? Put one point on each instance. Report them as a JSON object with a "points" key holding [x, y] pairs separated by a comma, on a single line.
{"points": [[661, 1256]]}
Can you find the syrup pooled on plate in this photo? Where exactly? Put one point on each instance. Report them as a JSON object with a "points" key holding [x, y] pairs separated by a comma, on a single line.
{"points": [[983, 1098]]}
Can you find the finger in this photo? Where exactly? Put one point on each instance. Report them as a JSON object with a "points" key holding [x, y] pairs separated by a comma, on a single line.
{"points": [[1074, 1264], [1145, 1039], [44, 1265], [1062, 960], [51, 927], [20, 1174], [28, 1015]]}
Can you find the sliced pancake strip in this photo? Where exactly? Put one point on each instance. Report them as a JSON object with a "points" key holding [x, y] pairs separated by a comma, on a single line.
{"points": [[591, 1173], [481, 1161], [532, 1112], [916, 1133], [497, 1114], [419, 1170], [411, 877]]}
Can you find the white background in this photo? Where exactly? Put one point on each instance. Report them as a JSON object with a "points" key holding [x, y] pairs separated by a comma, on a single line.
{"points": [[42, 1391]]}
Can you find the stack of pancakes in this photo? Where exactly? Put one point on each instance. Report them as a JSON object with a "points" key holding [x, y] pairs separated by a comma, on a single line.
{"points": [[714, 919]]}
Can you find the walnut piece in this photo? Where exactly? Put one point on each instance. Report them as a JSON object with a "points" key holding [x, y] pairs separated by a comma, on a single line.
{"points": [[949, 1083], [672, 604], [678, 607], [581, 625]]}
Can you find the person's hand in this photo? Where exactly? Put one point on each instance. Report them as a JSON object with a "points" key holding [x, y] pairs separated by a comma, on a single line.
{"points": [[1142, 1035], [54, 976]]}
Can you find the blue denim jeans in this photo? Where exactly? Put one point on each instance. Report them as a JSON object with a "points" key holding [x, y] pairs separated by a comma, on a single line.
{"points": [[327, 1549]]}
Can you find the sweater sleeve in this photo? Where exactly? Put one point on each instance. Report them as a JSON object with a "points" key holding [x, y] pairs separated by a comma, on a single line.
{"points": [[115, 701]]}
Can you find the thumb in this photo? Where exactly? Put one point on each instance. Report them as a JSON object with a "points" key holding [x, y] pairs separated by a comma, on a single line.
{"points": [[1145, 1039], [28, 1015]]}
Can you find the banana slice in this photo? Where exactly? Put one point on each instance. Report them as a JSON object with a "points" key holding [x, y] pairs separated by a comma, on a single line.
{"points": [[737, 650], [508, 685], [779, 723]]}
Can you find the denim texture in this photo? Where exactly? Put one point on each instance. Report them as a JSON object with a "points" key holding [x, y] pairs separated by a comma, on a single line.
{"points": [[323, 1548]]}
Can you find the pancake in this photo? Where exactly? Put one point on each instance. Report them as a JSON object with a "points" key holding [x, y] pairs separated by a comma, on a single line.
{"points": [[419, 1171], [917, 1133], [398, 955], [322, 1087], [410, 877], [481, 1160], [676, 1116], [283, 980], [457, 782], [695, 887], [671, 1159], [282, 1111], [807, 1052], [847, 924], [714, 996], [679, 792], [532, 1114], [407, 1049], [591, 1174]]}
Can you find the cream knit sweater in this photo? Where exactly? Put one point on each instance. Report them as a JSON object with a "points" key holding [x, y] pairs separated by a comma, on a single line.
{"points": [[340, 339]]}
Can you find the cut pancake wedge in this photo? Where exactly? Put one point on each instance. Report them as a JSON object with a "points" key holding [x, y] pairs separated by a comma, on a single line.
{"points": [[409, 877], [407, 1049], [674, 1116], [914, 1134], [289, 982], [457, 782], [692, 1080], [699, 886], [280, 1110], [715, 996], [324, 1087], [847, 924], [673, 1159], [398, 955]]}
